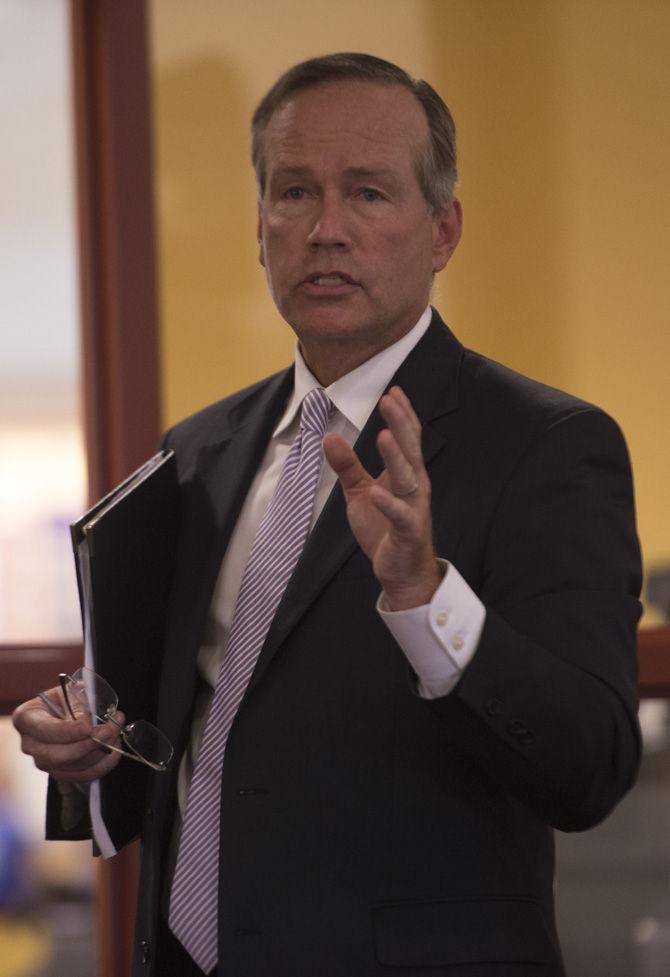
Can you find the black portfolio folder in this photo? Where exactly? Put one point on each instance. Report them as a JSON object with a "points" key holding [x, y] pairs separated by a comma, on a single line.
{"points": [[124, 553]]}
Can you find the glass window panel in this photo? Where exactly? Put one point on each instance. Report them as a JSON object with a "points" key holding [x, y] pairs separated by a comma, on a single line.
{"points": [[42, 468], [45, 888]]}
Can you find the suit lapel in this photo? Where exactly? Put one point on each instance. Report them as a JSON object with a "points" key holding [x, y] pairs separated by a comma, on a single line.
{"points": [[224, 469], [430, 377]]}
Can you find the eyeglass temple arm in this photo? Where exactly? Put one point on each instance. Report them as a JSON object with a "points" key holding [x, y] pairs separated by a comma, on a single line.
{"points": [[53, 708], [64, 678], [131, 754]]}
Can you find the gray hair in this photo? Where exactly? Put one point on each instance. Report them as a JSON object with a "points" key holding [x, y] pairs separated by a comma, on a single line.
{"points": [[436, 166]]}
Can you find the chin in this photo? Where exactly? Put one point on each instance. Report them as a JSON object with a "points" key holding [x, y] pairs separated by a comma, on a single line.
{"points": [[331, 328]]}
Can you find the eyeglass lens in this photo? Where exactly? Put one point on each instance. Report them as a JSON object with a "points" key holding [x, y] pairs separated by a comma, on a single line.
{"points": [[94, 696]]}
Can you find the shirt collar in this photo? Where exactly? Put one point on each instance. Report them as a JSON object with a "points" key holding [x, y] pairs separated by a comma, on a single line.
{"points": [[356, 394]]}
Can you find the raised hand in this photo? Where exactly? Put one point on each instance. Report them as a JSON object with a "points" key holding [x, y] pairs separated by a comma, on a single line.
{"points": [[390, 515]]}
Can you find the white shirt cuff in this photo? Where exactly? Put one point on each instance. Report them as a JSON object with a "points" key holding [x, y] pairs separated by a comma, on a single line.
{"points": [[439, 639]]}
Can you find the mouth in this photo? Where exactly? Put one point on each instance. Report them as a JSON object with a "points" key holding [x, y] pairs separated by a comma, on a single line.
{"points": [[330, 279]]}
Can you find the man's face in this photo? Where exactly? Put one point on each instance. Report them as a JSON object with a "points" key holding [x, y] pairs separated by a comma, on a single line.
{"points": [[346, 236]]}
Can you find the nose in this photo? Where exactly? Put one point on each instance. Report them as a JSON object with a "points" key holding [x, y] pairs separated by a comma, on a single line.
{"points": [[331, 226]]}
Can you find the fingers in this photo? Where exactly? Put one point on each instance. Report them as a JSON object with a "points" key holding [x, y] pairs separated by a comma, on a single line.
{"points": [[63, 747], [94, 765], [390, 516], [344, 462], [398, 400], [401, 477], [400, 445], [33, 720]]}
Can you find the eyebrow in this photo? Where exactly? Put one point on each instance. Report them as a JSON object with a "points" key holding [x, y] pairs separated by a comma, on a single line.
{"points": [[371, 173], [284, 171], [352, 172]]}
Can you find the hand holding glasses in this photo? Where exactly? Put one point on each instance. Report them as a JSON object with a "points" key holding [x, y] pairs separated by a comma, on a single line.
{"points": [[88, 695]]}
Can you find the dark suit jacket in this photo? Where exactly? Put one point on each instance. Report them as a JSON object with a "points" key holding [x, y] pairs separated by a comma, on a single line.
{"points": [[364, 830]]}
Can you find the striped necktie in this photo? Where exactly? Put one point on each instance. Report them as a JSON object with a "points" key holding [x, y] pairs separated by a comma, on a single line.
{"points": [[274, 554]]}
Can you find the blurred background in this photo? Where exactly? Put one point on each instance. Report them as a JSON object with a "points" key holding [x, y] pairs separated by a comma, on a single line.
{"points": [[45, 890], [563, 127]]}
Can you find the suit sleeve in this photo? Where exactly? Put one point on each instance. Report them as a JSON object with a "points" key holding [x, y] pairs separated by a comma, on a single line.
{"points": [[548, 705]]}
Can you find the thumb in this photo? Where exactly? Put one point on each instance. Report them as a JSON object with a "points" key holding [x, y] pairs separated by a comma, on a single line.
{"points": [[343, 460]]}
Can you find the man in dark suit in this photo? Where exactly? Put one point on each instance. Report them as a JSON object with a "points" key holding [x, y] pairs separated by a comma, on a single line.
{"points": [[449, 673]]}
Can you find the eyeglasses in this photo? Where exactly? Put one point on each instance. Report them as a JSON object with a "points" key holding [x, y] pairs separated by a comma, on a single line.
{"points": [[88, 694]]}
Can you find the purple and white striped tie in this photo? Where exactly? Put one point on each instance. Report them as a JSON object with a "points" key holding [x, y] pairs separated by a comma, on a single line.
{"points": [[274, 554]]}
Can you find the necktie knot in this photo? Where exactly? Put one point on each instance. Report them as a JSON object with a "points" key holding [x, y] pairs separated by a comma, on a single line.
{"points": [[316, 409]]}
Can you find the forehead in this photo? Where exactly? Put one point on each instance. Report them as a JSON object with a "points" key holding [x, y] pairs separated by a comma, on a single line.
{"points": [[358, 122]]}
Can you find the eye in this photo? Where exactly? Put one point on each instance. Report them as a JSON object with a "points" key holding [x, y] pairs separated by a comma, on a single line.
{"points": [[294, 193], [370, 195]]}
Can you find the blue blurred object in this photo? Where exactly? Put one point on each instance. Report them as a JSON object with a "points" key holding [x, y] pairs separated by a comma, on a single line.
{"points": [[13, 860]]}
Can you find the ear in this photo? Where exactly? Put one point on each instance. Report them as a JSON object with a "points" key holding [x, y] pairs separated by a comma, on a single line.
{"points": [[259, 236], [447, 227]]}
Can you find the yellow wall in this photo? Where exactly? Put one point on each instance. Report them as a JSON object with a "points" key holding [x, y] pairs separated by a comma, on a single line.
{"points": [[564, 139], [563, 113]]}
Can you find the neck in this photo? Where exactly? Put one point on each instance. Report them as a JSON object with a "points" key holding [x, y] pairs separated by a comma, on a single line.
{"points": [[334, 364], [328, 361]]}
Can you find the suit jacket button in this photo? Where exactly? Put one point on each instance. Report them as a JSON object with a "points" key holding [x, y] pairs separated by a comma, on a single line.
{"points": [[516, 728], [146, 951], [493, 707]]}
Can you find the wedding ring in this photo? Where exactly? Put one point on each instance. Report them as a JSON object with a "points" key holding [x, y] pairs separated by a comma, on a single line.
{"points": [[409, 491]]}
